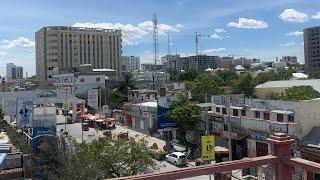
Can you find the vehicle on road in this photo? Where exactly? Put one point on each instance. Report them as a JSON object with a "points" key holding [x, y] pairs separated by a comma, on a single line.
{"points": [[69, 119], [177, 158]]}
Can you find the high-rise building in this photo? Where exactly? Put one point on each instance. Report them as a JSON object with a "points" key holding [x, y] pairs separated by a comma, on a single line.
{"points": [[130, 63], [70, 47], [289, 59], [171, 62], [200, 62], [312, 47], [13, 72]]}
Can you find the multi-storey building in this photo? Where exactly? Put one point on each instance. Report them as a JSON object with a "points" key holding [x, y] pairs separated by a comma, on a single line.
{"points": [[200, 62], [289, 59], [70, 47], [130, 63], [171, 63], [252, 121], [312, 47], [13, 72]]}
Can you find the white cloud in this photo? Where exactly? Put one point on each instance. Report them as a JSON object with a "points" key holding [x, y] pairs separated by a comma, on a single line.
{"points": [[293, 16], [131, 33], [288, 44], [316, 16], [295, 33], [207, 51], [219, 30], [20, 42], [162, 28], [248, 24], [3, 53], [215, 36]]}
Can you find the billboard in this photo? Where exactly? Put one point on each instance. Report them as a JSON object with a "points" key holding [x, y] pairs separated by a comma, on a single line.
{"points": [[24, 113], [44, 121], [105, 109], [10, 103], [93, 100], [165, 105], [208, 147]]}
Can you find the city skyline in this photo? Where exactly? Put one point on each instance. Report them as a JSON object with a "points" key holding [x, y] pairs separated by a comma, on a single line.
{"points": [[244, 28]]}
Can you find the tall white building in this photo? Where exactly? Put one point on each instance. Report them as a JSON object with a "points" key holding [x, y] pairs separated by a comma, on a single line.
{"points": [[70, 47], [130, 63], [13, 72]]}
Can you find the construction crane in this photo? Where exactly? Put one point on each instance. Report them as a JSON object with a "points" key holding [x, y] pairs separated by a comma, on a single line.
{"points": [[197, 35]]}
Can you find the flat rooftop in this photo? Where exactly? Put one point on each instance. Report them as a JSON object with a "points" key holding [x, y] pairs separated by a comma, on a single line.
{"points": [[315, 83]]}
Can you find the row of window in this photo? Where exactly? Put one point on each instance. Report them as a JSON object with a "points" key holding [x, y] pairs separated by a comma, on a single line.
{"points": [[257, 114]]}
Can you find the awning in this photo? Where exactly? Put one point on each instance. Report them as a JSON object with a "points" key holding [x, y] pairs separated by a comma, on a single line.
{"points": [[282, 112], [220, 106], [235, 107], [257, 109]]}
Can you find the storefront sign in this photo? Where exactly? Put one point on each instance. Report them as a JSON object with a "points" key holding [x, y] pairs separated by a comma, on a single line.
{"points": [[278, 127], [234, 121], [208, 147], [231, 135], [24, 113], [93, 101], [234, 100], [164, 108], [258, 136], [258, 125]]}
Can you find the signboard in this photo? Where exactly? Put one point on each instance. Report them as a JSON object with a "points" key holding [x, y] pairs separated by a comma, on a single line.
{"points": [[232, 135], [164, 109], [10, 103], [259, 136], [105, 109], [234, 100], [44, 121], [93, 100], [208, 147], [278, 127], [45, 97], [24, 113]]}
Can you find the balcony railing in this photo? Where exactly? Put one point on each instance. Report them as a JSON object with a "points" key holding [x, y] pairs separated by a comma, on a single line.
{"points": [[281, 162]]}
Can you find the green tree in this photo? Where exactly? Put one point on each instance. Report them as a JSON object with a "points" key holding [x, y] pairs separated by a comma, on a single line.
{"points": [[185, 113], [97, 160], [314, 74], [301, 93], [244, 85], [228, 76], [126, 83], [205, 87], [115, 99], [189, 74]]}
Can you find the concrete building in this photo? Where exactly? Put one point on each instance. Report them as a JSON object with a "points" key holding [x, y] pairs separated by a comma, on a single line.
{"points": [[252, 121], [144, 116], [312, 47], [81, 81], [70, 47], [171, 63], [142, 95], [130, 63], [13, 72], [289, 59], [200, 62], [151, 67]]}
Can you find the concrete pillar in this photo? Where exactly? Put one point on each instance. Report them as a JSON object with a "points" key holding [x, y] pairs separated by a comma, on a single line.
{"points": [[280, 147]]}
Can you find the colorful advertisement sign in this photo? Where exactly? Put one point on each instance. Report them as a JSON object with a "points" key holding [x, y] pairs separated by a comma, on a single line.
{"points": [[93, 100], [24, 113], [164, 108], [208, 147], [44, 121]]}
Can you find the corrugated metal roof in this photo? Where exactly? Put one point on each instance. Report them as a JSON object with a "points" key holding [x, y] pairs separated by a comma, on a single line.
{"points": [[315, 83]]}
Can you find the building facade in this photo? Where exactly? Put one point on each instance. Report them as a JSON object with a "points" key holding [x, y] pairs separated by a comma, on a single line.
{"points": [[312, 47], [69, 47], [130, 63], [171, 63], [289, 59], [200, 62], [13, 72]]}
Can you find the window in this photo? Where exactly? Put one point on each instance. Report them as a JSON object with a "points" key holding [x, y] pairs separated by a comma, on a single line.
{"points": [[290, 118], [218, 109], [235, 112], [257, 114], [82, 80], [266, 116], [280, 117], [243, 112], [224, 110], [98, 79]]}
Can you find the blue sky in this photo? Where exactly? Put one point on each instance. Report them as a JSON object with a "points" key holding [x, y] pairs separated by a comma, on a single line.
{"points": [[252, 28]]}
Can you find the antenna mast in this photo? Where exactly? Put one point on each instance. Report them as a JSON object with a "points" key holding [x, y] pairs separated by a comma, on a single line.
{"points": [[155, 38]]}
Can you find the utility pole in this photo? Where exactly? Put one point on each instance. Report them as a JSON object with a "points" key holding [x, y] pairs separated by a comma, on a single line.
{"points": [[82, 111], [169, 53], [229, 130], [155, 38]]}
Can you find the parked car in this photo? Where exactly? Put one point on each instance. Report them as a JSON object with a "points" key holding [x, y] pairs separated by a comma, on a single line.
{"points": [[176, 158], [85, 126]]}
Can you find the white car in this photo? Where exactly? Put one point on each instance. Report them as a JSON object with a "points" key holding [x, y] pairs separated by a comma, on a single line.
{"points": [[176, 158]]}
